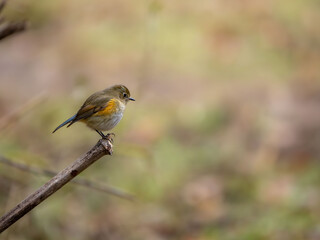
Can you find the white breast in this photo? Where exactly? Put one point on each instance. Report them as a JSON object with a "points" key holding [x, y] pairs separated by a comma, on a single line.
{"points": [[106, 123]]}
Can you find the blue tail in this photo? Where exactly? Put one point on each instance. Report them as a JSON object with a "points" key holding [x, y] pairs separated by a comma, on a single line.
{"points": [[65, 122]]}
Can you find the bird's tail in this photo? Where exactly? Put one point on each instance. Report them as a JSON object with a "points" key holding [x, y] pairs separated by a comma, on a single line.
{"points": [[65, 122]]}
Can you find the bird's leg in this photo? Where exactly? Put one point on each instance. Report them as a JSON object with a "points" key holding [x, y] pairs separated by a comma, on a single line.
{"points": [[108, 136], [100, 133]]}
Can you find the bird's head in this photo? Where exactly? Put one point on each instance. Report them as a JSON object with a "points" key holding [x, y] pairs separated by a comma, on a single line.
{"points": [[120, 92]]}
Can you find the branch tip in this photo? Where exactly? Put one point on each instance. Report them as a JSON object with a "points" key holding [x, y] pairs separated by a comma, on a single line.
{"points": [[106, 143]]}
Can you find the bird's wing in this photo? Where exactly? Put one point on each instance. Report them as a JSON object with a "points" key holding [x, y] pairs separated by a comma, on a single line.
{"points": [[91, 106]]}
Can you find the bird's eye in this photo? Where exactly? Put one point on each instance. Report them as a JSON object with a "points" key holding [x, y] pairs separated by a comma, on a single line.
{"points": [[125, 95]]}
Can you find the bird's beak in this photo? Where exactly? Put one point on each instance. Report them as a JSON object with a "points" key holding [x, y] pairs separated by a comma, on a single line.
{"points": [[131, 99]]}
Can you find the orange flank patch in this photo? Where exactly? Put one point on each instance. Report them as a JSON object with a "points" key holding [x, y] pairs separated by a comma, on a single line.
{"points": [[111, 107]]}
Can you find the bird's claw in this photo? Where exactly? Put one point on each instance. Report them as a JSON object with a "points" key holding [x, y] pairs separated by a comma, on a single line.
{"points": [[108, 137]]}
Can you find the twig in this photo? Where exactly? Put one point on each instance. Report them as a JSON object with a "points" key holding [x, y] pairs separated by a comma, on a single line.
{"points": [[11, 118], [102, 148], [9, 28], [80, 181], [2, 5]]}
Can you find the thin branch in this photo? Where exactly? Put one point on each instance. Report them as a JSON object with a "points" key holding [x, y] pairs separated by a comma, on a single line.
{"points": [[2, 5], [9, 28], [80, 181], [102, 148], [11, 118]]}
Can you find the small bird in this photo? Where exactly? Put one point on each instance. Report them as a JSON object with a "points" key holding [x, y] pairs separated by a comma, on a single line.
{"points": [[103, 110]]}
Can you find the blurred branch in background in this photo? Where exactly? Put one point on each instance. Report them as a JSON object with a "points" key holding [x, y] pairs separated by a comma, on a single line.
{"points": [[148, 48], [9, 28], [80, 181], [11, 118]]}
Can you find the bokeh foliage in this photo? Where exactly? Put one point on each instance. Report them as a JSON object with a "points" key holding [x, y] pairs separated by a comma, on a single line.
{"points": [[222, 142]]}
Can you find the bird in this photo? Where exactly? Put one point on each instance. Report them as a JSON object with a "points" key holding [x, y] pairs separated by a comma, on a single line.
{"points": [[103, 110]]}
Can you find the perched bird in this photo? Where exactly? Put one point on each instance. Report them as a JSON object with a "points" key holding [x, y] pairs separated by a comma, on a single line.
{"points": [[103, 110]]}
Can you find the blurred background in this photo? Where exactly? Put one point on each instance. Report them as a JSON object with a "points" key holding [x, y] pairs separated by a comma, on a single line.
{"points": [[223, 141]]}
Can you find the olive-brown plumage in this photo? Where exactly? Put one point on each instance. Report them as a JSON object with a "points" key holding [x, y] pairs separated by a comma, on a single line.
{"points": [[103, 110]]}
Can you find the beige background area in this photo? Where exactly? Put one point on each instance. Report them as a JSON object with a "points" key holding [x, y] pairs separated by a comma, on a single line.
{"points": [[221, 143]]}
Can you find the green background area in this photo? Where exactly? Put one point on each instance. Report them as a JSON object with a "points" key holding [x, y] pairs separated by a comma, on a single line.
{"points": [[222, 141]]}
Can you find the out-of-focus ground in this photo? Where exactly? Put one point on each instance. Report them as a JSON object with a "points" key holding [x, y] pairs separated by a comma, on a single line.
{"points": [[223, 141]]}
